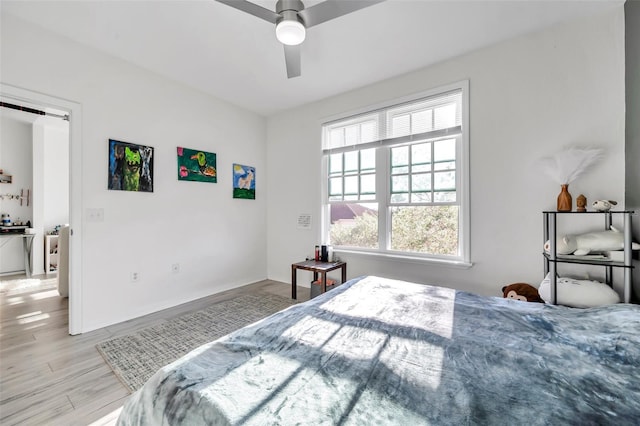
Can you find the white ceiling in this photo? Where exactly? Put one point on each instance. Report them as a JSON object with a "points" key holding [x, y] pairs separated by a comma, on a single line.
{"points": [[235, 56]]}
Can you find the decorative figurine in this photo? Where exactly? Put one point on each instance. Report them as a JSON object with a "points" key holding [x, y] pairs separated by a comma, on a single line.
{"points": [[604, 205], [581, 203]]}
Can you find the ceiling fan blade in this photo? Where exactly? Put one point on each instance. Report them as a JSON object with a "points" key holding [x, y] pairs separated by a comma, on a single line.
{"points": [[292, 59], [252, 9], [330, 9]]}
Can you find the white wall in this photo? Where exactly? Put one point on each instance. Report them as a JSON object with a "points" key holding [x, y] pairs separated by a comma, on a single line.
{"points": [[632, 49], [56, 172], [219, 242], [50, 194], [528, 97], [15, 160]]}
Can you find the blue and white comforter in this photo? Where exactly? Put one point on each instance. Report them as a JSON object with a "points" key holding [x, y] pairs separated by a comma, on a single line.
{"points": [[379, 351]]}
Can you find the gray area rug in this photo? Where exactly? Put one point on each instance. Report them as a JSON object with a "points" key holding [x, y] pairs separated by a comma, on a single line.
{"points": [[136, 357]]}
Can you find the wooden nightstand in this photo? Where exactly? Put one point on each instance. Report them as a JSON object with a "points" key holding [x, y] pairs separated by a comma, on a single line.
{"points": [[316, 267]]}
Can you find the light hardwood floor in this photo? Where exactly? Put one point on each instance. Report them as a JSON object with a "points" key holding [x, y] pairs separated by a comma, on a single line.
{"points": [[48, 377]]}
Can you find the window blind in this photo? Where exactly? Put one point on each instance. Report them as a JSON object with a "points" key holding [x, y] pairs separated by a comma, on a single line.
{"points": [[424, 118]]}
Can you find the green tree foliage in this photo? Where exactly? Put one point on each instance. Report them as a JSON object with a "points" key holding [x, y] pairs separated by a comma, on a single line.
{"points": [[421, 229], [425, 229], [361, 232]]}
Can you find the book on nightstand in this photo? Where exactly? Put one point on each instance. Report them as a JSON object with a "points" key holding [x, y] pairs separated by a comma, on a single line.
{"points": [[317, 284], [615, 255], [329, 282], [600, 257]]}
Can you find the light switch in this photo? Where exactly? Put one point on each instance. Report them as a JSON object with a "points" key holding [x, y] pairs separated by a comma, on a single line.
{"points": [[94, 215]]}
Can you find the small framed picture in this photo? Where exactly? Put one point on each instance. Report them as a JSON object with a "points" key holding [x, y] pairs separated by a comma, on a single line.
{"points": [[244, 182], [130, 167], [197, 165]]}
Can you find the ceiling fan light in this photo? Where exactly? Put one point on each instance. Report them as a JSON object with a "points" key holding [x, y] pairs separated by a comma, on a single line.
{"points": [[290, 32]]}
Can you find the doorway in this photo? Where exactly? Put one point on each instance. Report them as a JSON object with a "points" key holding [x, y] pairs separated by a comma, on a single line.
{"points": [[19, 96]]}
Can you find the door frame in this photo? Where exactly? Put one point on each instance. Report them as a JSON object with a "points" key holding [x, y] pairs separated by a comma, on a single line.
{"points": [[74, 109]]}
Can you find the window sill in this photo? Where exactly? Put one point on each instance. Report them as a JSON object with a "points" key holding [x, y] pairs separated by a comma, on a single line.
{"points": [[457, 264]]}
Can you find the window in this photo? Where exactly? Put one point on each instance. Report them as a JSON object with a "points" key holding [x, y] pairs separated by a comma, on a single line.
{"points": [[397, 178]]}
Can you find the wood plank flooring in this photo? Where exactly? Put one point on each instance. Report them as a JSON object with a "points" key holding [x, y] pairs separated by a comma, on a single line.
{"points": [[48, 377]]}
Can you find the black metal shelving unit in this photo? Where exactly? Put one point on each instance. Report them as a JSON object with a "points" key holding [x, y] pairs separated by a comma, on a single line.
{"points": [[551, 259]]}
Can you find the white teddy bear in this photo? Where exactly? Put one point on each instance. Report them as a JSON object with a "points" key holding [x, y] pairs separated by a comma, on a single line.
{"points": [[590, 242]]}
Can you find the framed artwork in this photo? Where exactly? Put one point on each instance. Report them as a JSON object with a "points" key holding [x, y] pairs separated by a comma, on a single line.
{"points": [[244, 182], [197, 165], [130, 167]]}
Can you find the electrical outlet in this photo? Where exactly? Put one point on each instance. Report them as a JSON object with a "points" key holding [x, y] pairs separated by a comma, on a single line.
{"points": [[135, 277], [175, 268]]}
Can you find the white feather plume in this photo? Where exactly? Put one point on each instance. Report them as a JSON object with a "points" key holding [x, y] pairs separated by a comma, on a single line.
{"points": [[567, 165]]}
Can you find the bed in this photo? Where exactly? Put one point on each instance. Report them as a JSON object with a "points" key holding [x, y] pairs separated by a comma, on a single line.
{"points": [[381, 351]]}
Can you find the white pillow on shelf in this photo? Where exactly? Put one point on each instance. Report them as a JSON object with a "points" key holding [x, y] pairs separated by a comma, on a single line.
{"points": [[579, 293]]}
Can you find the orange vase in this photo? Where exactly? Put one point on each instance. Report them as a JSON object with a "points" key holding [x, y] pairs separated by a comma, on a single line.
{"points": [[564, 199]]}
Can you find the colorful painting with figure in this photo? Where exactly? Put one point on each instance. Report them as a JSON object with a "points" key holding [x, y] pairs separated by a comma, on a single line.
{"points": [[197, 165], [244, 182], [130, 167]]}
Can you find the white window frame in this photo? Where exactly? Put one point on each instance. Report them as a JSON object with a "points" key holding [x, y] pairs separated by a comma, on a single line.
{"points": [[383, 182]]}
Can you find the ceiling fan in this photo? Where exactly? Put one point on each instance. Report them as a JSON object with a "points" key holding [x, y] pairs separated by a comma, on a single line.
{"points": [[292, 20]]}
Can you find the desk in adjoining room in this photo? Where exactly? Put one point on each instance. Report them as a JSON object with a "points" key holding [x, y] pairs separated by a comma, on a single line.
{"points": [[27, 245]]}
